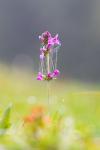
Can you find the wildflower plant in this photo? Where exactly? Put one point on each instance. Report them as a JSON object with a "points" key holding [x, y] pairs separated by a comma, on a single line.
{"points": [[48, 57]]}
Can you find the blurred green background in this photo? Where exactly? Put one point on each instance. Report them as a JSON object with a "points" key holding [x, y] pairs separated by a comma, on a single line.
{"points": [[74, 108]]}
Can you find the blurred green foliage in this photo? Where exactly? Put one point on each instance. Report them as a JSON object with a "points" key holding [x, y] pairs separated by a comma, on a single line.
{"points": [[5, 120], [73, 109]]}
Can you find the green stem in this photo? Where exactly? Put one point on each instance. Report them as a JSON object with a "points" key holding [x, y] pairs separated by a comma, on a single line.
{"points": [[48, 71], [48, 64], [48, 89]]}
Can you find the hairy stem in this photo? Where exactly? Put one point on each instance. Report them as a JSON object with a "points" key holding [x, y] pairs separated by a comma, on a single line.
{"points": [[48, 71], [48, 64]]}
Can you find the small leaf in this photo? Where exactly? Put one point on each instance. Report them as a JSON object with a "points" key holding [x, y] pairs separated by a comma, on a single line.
{"points": [[5, 119]]}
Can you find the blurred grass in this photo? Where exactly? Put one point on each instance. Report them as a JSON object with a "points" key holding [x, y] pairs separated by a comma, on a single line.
{"points": [[77, 100]]}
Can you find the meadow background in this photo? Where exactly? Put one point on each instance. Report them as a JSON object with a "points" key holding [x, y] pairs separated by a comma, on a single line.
{"points": [[71, 119]]}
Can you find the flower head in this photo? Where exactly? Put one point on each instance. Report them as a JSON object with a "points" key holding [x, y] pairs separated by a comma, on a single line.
{"points": [[56, 72], [54, 41], [48, 56], [44, 37]]}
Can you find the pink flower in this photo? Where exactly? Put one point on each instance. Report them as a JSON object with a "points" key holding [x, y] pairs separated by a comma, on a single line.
{"points": [[41, 38], [42, 56], [40, 76], [45, 36], [54, 41], [43, 49], [50, 75], [56, 73], [49, 45]]}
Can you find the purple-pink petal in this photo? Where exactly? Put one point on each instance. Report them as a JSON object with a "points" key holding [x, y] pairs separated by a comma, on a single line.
{"points": [[40, 76], [42, 56], [56, 72], [56, 40], [49, 45], [50, 75], [46, 34]]}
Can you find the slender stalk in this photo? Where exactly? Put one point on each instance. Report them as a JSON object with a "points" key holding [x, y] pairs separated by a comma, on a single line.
{"points": [[48, 71], [48, 92], [56, 60], [42, 66], [51, 62], [48, 64]]}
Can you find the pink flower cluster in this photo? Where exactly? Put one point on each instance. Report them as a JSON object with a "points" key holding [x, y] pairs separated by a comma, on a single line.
{"points": [[49, 76], [48, 43], [48, 66]]}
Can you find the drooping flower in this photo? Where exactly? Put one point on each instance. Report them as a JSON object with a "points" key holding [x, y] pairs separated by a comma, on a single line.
{"points": [[56, 73], [40, 76]]}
